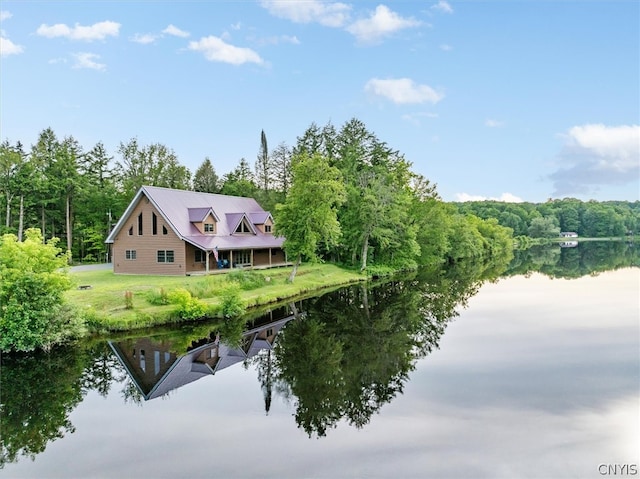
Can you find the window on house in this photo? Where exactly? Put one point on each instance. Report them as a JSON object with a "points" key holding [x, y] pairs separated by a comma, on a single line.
{"points": [[164, 230], [267, 228], [201, 256], [242, 257], [130, 254], [243, 227], [165, 256], [154, 224], [209, 228], [131, 231], [143, 362], [140, 224]]}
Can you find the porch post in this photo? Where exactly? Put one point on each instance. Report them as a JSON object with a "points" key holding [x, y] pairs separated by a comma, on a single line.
{"points": [[206, 261], [269, 256], [230, 259], [252, 257]]}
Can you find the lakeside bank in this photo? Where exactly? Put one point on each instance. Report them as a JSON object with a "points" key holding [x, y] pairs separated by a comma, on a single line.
{"points": [[111, 302]]}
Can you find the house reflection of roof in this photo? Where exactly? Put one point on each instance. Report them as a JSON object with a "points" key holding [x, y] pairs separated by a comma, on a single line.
{"points": [[186, 369], [181, 374], [257, 346]]}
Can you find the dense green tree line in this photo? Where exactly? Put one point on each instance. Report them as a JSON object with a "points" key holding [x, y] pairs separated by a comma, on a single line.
{"points": [[383, 215], [588, 219]]}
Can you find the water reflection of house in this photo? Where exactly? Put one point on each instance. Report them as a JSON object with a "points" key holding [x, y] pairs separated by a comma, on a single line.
{"points": [[156, 370], [568, 244]]}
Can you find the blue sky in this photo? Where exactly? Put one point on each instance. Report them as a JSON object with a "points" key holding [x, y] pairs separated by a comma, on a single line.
{"points": [[517, 100]]}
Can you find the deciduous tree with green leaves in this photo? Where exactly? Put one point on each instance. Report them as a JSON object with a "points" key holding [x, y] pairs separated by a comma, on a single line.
{"points": [[308, 217], [32, 282]]}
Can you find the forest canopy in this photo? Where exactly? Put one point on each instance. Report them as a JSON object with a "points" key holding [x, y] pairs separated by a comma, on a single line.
{"points": [[386, 215]]}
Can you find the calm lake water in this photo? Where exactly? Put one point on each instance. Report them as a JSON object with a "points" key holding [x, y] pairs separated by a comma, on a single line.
{"points": [[531, 371]]}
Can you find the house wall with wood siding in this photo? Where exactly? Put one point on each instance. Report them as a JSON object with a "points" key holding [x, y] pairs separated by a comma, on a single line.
{"points": [[147, 245], [262, 228], [208, 219]]}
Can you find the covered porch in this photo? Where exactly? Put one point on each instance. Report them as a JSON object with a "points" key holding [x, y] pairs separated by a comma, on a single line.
{"points": [[216, 260]]}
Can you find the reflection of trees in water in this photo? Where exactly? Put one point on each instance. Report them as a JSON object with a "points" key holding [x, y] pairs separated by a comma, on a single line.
{"points": [[588, 258], [345, 356], [40, 390], [38, 393], [353, 350]]}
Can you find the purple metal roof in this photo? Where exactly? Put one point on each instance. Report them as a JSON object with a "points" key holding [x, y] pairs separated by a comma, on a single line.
{"points": [[199, 214], [180, 208]]}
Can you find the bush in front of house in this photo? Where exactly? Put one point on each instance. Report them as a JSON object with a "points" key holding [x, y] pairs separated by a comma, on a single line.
{"points": [[158, 297], [232, 305], [246, 279], [188, 307]]}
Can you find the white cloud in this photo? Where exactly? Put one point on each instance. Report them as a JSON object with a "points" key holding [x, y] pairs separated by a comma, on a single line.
{"points": [[504, 197], [329, 14], [403, 91], [7, 47], [595, 155], [383, 22], [215, 49], [97, 31], [446, 48], [87, 60], [144, 38], [5, 15], [617, 148], [442, 6], [493, 123], [175, 31], [277, 40]]}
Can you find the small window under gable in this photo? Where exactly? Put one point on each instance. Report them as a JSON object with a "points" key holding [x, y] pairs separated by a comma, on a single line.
{"points": [[243, 227]]}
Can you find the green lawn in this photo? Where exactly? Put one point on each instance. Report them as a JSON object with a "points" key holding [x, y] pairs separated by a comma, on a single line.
{"points": [[104, 302]]}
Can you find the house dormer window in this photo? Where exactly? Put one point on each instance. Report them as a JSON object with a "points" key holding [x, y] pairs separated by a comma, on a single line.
{"points": [[209, 228], [267, 228], [243, 227]]}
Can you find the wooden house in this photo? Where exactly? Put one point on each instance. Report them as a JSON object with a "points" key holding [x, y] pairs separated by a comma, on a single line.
{"points": [[178, 232]]}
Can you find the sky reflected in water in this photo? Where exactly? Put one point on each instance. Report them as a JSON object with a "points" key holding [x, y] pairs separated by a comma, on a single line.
{"points": [[537, 378]]}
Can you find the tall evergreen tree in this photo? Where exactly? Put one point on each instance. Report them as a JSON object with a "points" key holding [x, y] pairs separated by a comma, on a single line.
{"points": [[205, 179], [240, 181], [281, 160], [263, 165]]}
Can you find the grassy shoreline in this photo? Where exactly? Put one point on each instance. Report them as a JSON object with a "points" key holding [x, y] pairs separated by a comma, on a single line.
{"points": [[100, 295]]}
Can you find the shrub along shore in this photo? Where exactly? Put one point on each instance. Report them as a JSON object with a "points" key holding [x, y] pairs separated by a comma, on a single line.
{"points": [[110, 302]]}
